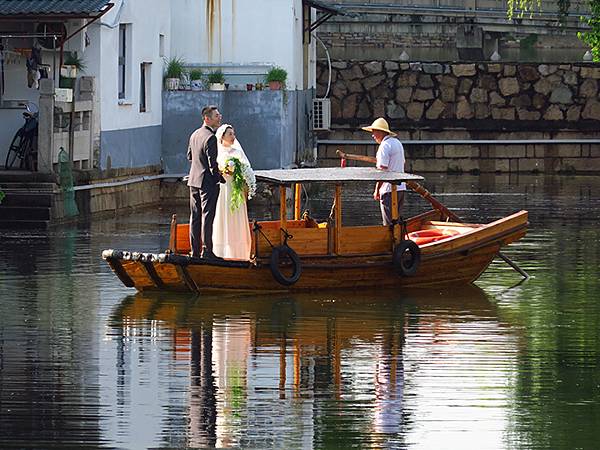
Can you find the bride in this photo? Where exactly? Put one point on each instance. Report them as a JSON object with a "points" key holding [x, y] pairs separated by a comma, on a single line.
{"points": [[231, 229]]}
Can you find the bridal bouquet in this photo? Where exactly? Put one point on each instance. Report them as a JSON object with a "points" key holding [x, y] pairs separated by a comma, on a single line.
{"points": [[243, 181]]}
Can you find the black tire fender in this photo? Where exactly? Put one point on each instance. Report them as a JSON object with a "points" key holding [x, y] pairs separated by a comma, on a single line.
{"points": [[406, 258], [280, 253]]}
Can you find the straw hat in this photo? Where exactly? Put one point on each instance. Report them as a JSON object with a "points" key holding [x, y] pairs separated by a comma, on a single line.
{"points": [[381, 125]]}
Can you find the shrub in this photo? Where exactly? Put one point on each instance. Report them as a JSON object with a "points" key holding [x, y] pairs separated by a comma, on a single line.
{"points": [[175, 68], [216, 76]]}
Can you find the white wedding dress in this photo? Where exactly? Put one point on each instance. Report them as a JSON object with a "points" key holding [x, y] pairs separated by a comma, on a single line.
{"points": [[231, 229]]}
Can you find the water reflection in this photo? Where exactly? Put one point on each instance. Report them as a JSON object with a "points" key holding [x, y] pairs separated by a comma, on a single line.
{"points": [[84, 363], [294, 371]]}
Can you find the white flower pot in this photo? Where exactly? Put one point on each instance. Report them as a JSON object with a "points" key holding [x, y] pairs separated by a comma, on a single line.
{"points": [[172, 84], [217, 86], [68, 71]]}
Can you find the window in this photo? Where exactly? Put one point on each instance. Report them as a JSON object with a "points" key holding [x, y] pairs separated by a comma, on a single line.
{"points": [[161, 45], [125, 64], [145, 71], [122, 60]]}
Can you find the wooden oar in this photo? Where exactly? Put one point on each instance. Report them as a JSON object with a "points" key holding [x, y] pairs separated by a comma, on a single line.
{"points": [[432, 201]]}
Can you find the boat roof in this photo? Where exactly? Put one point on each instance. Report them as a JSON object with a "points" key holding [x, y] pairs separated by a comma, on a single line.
{"points": [[333, 175]]}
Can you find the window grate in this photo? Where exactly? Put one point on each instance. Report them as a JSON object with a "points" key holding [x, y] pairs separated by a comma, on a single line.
{"points": [[321, 114]]}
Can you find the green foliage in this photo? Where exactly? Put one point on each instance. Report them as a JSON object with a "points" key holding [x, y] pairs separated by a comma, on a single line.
{"points": [[528, 42], [238, 183], [175, 67], [196, 74], [73, 60], [277, 74], [216, 76], [2, 195], [592, 36], [522, 7]]}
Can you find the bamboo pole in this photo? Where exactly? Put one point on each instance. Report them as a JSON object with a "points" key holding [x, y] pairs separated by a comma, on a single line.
{"points": [[282, 213], [396, 229], [338, 219], [297, 200]]}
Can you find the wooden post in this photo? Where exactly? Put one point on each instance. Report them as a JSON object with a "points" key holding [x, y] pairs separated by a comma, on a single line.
{"points": [[297, 200], [338, 219], [396, 230], [173, 236], [282, 212]]}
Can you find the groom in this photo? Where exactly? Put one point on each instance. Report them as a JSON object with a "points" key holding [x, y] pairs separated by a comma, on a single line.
{"points": [[204, 182]]}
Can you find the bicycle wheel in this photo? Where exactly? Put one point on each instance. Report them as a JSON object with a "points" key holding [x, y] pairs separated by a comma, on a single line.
{"points": [[14, 150], [27, 156]]}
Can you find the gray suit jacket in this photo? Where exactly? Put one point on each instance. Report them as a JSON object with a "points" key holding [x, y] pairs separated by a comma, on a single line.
{"points": [[202, 152]]}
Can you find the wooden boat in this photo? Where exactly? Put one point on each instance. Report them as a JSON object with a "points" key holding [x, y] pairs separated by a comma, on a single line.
{"points": [[433, 248]]}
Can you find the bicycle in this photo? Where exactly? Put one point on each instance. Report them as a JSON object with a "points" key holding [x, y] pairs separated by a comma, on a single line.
{"points": [[24, 143]]}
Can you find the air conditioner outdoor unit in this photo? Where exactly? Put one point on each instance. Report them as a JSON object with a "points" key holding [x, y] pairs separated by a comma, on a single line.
{"points": [[321, 114]]}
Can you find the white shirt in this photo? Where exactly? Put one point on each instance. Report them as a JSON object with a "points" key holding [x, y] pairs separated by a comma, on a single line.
{"points": [[390, 154]]}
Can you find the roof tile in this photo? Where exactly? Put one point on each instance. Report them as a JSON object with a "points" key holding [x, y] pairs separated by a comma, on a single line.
{"points": [[49, 7]]}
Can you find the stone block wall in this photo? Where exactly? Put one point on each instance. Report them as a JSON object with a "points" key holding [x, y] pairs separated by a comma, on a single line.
{"points": [[474, 101]]}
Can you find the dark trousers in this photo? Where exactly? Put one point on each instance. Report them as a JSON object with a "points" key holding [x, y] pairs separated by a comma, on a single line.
{"points": [[203, 206], [385, 202]]}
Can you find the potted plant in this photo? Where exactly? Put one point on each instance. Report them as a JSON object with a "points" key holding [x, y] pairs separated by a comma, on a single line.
{"points": [[216, 80], [173, 73], [72, 64], [276, 78], [196, 76]]}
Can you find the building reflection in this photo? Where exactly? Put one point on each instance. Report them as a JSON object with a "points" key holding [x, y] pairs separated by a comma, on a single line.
{"points": [[268, 371]]}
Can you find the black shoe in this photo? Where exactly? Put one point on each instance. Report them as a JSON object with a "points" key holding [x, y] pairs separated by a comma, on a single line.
{"points": [[210, 256]]}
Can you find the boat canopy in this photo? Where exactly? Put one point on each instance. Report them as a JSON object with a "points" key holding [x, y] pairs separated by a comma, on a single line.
{"points": [[333, 175]]}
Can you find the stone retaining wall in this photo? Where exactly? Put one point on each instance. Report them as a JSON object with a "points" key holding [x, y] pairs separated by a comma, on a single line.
{"points": [[492, 101]]}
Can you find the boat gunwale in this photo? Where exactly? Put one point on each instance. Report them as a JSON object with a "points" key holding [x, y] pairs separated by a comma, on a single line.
{"points": [[433, 253]]}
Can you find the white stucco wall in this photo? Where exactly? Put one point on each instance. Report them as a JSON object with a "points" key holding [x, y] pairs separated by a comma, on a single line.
{"points": [[148, 19], [243, 32]]}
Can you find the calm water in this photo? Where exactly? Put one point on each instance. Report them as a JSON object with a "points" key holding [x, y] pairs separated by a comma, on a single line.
{"points": [[86, 362]]}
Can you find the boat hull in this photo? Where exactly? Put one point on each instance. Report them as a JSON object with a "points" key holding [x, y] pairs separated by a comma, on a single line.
{"points": [[456, 260]]}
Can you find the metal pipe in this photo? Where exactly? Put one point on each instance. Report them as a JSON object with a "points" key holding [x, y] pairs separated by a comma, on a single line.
{"points": [[386, 8], [463, 141], [163, 176], [29, 35]]}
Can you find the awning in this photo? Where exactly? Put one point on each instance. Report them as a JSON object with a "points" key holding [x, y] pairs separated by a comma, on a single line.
{"points": [[325, 7], [327, 11], [333, 175], [27, 9]]}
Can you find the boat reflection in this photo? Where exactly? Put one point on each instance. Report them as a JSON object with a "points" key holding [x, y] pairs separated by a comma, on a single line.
{"points": [[291, 369]]}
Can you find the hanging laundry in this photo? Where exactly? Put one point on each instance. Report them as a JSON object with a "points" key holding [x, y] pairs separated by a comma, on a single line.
{"points": [[32, 63]]}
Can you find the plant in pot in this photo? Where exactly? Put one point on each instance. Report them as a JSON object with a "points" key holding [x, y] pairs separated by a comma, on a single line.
{"points": [[196, 76], [276, 78], [216, 80], [72, 64], [173, 73]]}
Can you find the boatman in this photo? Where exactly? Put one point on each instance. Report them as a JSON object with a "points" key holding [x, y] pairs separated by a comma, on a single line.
{"points": [[390, 156], [204, 182]]}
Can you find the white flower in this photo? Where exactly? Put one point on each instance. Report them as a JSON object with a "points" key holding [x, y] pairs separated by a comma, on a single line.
{"points": [[250, 180], [231, 164]]}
